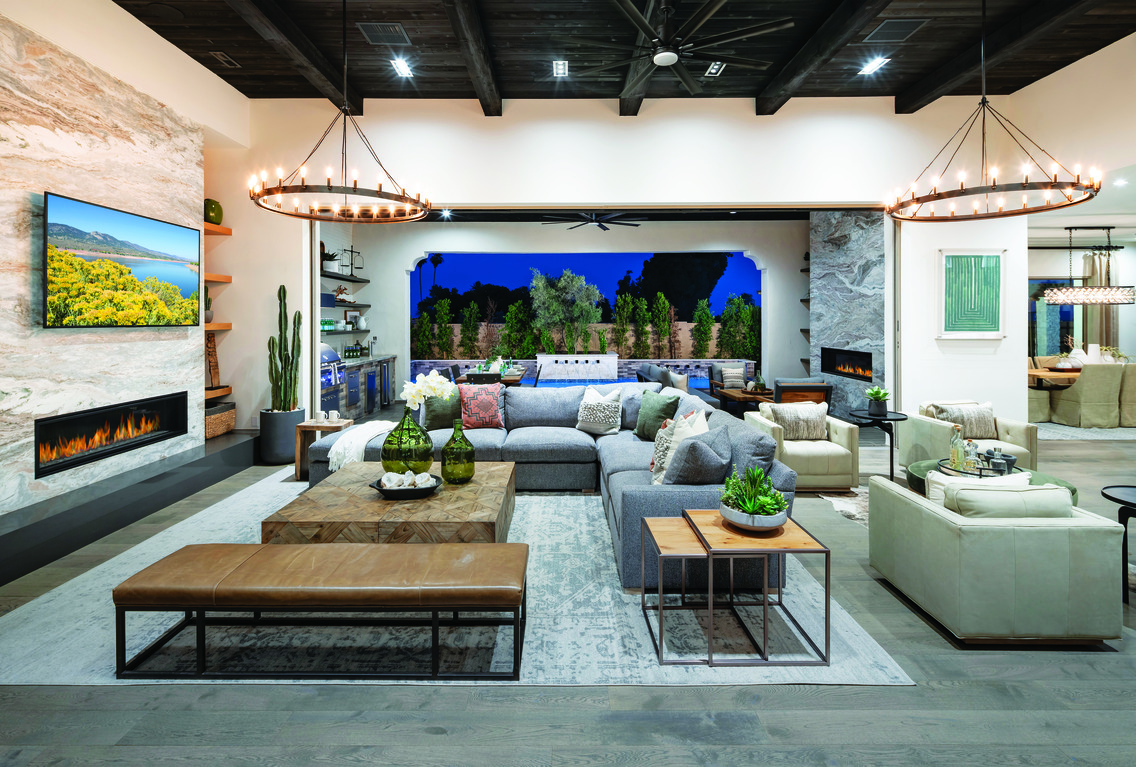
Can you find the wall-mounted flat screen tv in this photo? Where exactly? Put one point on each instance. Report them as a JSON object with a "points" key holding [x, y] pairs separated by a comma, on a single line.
{"points": [[108, 268]]}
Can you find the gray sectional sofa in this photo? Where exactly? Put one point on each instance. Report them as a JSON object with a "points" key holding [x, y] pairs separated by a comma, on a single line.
{"points": [[540, 436]]}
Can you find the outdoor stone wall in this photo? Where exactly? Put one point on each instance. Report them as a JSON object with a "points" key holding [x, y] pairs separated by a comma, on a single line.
{"points": [[846, 290], [696, 369]]}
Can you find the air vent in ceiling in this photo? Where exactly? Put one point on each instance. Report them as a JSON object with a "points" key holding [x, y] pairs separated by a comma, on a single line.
{"points": [[225, 59], [384, 34], [895, 30]]}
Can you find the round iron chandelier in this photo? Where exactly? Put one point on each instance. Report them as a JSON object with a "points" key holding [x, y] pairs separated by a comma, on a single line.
{"points": [[338, 199], [1054, 186], [1092, 295]]}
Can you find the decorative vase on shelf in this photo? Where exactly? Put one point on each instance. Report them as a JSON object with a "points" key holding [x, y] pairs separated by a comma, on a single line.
{"points": [[213, 212], [877, 408], [408, 447], [457, 457], [208, 315]]}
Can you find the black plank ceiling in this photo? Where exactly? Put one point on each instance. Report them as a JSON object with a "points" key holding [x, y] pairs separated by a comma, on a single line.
{"points": [[492, 50]]}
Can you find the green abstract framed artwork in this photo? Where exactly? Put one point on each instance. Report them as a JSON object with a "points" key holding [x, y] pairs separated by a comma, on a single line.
{"points": [[972, 293]]}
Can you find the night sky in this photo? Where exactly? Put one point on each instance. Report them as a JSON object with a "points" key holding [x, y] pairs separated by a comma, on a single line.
{"points": [[604, 270]]}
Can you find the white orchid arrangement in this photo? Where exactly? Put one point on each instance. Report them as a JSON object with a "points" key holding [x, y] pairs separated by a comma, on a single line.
{"points": [[432, 385]]}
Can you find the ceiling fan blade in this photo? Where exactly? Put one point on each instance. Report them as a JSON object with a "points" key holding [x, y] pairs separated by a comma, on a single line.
{"points": [[635, 17], [573, 40], [602, 227], [639, 79], [613, 65], [577, 226], [623, 223], [609, 216], [735, 60], [700, 17], [688, 81], [740, 34]]}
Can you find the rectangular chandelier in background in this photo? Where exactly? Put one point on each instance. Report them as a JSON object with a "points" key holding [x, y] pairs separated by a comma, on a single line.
{"points": [[1091, 295]]}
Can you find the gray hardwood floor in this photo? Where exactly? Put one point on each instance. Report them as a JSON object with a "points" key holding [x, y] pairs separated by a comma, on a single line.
{"points": [[995, 705]]}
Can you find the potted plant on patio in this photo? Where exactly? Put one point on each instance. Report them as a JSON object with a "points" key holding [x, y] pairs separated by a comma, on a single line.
{"points": [[750, 501], [877, 401], [278, 423]]}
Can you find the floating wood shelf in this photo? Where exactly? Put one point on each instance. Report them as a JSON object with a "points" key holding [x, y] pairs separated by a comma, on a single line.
{"points": [[215, 393], [217, 229], [345, 305], [217, 277], [805, 301], [341, 332], [218, 326], [805, 270], [343, 277]]}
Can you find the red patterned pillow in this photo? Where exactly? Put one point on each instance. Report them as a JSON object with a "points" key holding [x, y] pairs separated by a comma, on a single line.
{"points": [[481, 406]]}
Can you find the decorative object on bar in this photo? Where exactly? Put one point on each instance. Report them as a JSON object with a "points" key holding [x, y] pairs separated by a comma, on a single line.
{"points": [[346, 200], [877, 400], [457, 457], [751, 502], [1053, 189], [1092, 294], [278, 423], [408, 447]]}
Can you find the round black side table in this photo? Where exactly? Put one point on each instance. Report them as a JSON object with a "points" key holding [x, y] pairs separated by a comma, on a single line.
{"points": [[884, 424], [1125, 495]]}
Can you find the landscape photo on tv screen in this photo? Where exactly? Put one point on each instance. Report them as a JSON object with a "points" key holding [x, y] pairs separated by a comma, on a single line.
{"points": [[107, 268]]}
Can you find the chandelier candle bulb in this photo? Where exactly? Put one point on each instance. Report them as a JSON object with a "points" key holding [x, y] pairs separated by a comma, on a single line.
{"points": [[1077, 172], [303, 175], [994, 177], [1001, 204]]}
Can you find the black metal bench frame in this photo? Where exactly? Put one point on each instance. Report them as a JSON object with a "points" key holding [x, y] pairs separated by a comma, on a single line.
{"points": [[196, 615]]}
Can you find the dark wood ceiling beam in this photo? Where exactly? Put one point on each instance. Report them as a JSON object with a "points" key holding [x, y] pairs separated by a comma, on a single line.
{"points": [[1042, 19], [837, 31], [466, 21], [282, 33], [629, 105]]}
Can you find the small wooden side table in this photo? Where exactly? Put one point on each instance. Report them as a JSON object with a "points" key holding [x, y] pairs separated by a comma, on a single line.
{"points": [[307, 433]]}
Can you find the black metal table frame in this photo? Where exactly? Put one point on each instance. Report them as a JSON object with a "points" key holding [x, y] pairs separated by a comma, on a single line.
{"points": [[884, 425], [733, 605], [196, 615]]}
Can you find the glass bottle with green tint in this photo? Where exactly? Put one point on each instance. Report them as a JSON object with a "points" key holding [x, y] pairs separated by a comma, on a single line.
{"points": [[457, 457]]}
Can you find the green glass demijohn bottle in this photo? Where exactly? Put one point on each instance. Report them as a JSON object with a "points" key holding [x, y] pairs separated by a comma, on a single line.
{"points": [[457, 457], [408, 447]]}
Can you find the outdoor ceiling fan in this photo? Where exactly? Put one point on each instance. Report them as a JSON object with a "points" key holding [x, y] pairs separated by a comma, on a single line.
{"points": [[670, 44], [602, 220]]}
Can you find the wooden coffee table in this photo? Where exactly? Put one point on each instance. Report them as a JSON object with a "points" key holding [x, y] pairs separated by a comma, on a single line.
{"points": [[345, 509], [742, 396]]}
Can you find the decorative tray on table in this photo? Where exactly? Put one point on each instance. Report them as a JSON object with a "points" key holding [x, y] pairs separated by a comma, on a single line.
{"points": [[408, 493], [982, 471]]}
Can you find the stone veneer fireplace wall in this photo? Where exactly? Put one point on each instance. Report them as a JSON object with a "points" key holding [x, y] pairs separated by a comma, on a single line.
{"points": [[73, 129], [846, 292]]}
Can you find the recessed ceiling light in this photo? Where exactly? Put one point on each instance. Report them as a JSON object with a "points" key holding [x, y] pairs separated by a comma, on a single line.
{"points": [[874, 66], [1120, 182], [401, 67], [715, 69], [560, 69]]}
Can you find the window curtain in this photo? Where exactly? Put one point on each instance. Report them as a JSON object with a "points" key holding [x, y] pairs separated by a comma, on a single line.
{"points": [[1100, 321]]}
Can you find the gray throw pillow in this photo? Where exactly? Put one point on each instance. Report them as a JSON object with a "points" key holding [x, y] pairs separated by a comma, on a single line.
{"points": [[703, 459], [750, 447], [800, 420], [977, 421], [733, 378]]}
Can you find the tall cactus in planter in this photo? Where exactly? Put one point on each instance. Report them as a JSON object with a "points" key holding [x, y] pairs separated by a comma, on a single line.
{"points": [[284, 358], [278, 423]]}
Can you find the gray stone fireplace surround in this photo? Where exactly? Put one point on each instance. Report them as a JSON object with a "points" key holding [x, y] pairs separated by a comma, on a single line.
{"points": [[846, 290]]}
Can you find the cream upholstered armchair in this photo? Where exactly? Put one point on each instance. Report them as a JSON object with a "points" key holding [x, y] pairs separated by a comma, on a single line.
{"points": [[827, 464], [923, 436], [1093, 401]]}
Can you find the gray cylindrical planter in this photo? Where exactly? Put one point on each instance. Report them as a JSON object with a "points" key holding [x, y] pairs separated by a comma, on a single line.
{"points": [[752, 521], [278, 435], [878, 408]]}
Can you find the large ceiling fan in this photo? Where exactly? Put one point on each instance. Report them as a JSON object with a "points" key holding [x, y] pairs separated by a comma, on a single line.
{"points": [[602, 220], [669, 44]]}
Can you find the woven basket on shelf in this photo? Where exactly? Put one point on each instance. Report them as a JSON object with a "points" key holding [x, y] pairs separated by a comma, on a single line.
{"points": [[220, 419]]}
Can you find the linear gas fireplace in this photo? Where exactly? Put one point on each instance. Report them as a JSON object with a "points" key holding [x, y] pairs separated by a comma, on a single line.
{"points": [[65, 441], [847, 363]]}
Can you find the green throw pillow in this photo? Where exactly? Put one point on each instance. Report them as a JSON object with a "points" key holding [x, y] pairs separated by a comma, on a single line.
{"points": [[441, 413], [655, 409]]}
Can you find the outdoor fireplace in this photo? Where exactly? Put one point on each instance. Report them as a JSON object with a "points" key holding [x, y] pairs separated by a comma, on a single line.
{"points": [[65, 441], [847, 363]]}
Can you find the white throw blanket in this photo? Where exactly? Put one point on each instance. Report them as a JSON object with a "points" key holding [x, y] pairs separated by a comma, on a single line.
{"points": [[350, 446]]}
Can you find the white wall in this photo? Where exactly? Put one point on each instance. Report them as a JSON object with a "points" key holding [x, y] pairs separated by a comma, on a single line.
{"points": [[777, 247], [984, 370]]}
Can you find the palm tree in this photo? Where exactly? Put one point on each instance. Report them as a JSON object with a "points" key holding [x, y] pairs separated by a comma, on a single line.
{"points": [[436, 261]]}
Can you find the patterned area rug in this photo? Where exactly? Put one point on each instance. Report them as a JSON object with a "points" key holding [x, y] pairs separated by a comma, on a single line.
{"points": [[1061, 431], [853, 505], [583, 628]]}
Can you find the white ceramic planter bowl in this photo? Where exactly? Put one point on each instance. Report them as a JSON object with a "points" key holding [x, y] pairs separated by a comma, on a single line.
{"points": [[752, 521]]}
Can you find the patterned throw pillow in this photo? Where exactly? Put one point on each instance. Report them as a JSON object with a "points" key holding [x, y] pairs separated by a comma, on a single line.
{"points": [[733, 378], [800, 420], [670, 435], [481, 406], [599, 413], [977, 421]]}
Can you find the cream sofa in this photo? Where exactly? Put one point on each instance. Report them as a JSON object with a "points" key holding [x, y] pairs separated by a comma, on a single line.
{"points": [[923, 437], [999, 578], [831, 464]]}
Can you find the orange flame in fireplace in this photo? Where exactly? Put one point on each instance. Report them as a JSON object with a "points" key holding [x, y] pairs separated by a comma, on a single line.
{"points": [[129, 427], [856, 370]]}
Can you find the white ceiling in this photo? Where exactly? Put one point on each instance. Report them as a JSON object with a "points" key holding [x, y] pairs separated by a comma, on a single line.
{"points": [[1114, 206]]}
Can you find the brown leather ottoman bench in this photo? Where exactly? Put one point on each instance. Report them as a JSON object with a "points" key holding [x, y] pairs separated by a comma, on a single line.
{"points": [[338, 577]]}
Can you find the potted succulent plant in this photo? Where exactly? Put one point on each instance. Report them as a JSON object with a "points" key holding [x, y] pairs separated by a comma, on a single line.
{"points": [[877, 400], [750, 501], [278, 423]]}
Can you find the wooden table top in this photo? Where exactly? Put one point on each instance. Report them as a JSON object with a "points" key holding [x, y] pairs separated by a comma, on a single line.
{"points": [[1050, 375], [674, 537], [325, 425], [513, 380], [720, 537], [742, 395]]}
